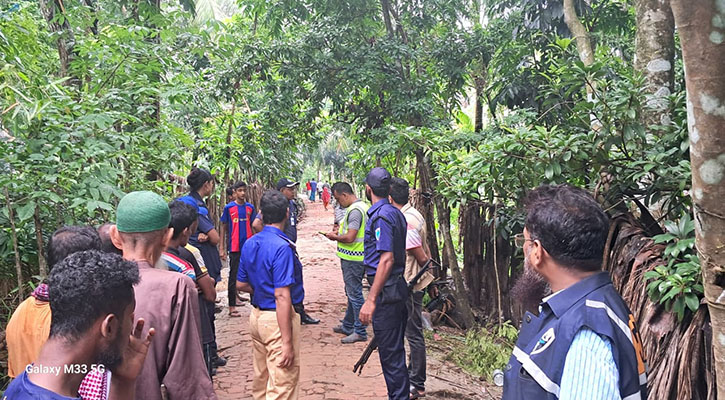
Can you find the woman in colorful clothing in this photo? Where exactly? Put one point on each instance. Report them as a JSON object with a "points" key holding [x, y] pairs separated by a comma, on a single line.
{"points": [[326, 195]]}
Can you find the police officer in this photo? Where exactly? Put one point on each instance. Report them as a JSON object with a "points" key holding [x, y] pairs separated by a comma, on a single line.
{"points": [[289, 189], [384, 261], [584, 344]]}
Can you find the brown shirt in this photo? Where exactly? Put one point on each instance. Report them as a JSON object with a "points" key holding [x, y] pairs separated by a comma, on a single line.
{"points": [[168, 302]]}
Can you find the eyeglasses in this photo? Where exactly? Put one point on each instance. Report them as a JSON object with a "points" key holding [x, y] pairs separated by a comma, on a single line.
{"points": [[520, 240]]}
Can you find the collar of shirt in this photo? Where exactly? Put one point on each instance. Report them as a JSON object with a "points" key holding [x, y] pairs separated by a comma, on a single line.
{"points": [[562, 300], [406, 207], [273, 230], [377, 205], [144, 264], [198, 198]]}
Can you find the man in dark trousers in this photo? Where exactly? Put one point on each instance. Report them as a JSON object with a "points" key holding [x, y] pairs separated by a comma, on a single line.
{"points": [[584, 343], [385, 233], [289, 189], [417, 256]]}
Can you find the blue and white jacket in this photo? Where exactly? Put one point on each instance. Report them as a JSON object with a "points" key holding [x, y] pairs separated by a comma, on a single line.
{"points": [[535, 368]]}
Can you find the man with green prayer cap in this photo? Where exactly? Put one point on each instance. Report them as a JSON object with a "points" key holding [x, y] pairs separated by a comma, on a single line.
{"points": [[166, 300]]}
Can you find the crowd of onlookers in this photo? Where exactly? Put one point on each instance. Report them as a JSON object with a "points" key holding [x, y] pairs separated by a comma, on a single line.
{"points": [[128, 309]]}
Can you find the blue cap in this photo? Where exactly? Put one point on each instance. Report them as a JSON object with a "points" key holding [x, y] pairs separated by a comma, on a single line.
{"points": [[286, 183], [378, 178]]}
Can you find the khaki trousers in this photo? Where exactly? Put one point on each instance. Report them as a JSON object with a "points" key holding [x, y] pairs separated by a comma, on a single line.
{"points": [[270, 381]]}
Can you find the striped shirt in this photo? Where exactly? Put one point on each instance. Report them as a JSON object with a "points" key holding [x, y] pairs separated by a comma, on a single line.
{"points": [[590, 372]]}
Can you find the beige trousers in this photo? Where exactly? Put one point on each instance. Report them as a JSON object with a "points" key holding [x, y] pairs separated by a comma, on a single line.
{"points": [[270, 381]]}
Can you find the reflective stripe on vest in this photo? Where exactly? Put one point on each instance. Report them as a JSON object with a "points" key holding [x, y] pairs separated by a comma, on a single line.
{"points": [[354, 251]]}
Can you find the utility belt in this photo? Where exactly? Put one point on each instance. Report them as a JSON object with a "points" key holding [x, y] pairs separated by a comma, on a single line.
{"points": [[395, 289]]}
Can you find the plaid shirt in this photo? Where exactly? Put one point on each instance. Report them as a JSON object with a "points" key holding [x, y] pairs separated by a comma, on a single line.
{"points": [[96, 385]]}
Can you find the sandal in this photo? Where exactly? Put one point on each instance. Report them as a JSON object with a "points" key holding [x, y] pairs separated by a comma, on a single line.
{"points": [[234, 313], [416, 393]]}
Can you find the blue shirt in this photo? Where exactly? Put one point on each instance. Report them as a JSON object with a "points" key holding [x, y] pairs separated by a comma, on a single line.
{"points": [[238, 218], [385, 231], [290, 229], [209, 252], [267, 263], [21, 388], [590, 372], [553, 346]]}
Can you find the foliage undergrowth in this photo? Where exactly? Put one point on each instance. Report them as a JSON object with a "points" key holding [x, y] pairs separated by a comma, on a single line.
{"points": [[485, 349], [678, 284]]}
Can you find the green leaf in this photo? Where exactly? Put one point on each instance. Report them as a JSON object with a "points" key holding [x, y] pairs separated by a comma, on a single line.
{"points": [[679, 308], [671, 294], [693, 303], [26, 211]]}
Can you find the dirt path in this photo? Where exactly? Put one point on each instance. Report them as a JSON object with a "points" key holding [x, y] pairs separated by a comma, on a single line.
{"points": [[326, 363]]}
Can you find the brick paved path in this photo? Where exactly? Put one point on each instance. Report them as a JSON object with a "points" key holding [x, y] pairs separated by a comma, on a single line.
{"points": [[326, 371]]}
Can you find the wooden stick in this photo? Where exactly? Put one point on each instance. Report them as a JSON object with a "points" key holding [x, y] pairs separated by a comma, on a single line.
{"points": [[18, 267]]}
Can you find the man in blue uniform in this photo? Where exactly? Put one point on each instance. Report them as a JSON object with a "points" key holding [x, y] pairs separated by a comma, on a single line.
{"points": [[584, 344], [268, 271], [384, 260], [289, 189]]}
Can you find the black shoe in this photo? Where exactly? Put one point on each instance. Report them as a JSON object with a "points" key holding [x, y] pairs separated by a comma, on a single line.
{"points": [[217, 310], [307, 320], [219, 361], [213, 371]]}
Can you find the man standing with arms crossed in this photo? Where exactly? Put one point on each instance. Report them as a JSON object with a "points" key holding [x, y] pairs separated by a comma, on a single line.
{"points": [[384, 261], [417, 255], [351, 250]]}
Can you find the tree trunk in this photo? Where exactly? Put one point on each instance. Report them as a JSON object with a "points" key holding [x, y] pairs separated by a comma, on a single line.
{"points": [[579, 33], [583, 45], [42, 263], [462, 303], [480, 83], [385, 6], [14, 235], [92, 6], [426, 208], [50, 9], [701, 26], [655, 57]]}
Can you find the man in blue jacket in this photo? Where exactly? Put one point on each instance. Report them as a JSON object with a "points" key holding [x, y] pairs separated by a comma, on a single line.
{"points": [[584, 343]]}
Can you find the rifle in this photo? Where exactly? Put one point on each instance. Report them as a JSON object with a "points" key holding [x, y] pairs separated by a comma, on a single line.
{"points": [[373, 342]]}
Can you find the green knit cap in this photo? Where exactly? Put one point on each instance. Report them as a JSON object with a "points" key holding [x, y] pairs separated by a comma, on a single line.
{"points": [[142, 212]]}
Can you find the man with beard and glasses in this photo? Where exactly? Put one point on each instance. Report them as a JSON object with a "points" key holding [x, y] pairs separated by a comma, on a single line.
{"points": [[87, 335], [584, 343]]}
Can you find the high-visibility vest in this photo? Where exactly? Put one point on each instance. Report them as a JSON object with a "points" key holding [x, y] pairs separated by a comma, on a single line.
{"points": [[354, 251]]}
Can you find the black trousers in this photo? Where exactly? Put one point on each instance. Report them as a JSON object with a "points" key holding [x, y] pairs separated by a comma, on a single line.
{"points": [[416, 342], [232, 282], [389, 322]]}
